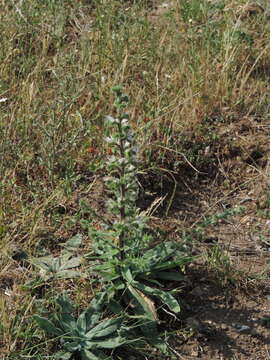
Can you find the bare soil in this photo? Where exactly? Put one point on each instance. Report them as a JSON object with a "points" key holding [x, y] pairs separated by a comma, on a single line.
{"points": [[227, 300]]}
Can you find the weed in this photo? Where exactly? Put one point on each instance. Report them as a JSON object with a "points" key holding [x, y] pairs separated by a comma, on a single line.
{"points": [[60, 267], [85, 335], [131, 270]]}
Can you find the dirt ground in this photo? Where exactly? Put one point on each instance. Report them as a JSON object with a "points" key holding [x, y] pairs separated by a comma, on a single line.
{"points": [[226, 300]]}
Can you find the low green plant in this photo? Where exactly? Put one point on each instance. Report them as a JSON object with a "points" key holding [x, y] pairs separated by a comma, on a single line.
{"points": [[131, 270], [213, 220], [86, 334], [59, 267]]}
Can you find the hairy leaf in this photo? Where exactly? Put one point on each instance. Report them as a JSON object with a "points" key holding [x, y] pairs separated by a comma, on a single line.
{"points": [[165, 296], [146, 303], [47, 326], [62, 355], [109, 343], [67, 274], [89, 355], [65, 304], [105, 328], [73, 243]]}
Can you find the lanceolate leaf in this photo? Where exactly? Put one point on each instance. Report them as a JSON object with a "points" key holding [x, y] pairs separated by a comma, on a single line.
{"points": [[65, 304], [109, 343], [127, 274], [165, 296], [82, 322], [105, 328], [62, 355], [97, 355], [47, 326], [93, 313], [66, 262], [170, 264], [72, 346], [67, 274], [159, 253], [73, 243], [146, 303], [44, 263]]}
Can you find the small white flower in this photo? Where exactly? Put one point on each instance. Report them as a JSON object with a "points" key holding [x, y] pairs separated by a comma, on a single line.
{"points": [[3, 100]]}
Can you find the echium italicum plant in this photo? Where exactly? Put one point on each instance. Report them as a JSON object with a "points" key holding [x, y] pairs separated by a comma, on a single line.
{"points": [[129, 222], [131, 270]]}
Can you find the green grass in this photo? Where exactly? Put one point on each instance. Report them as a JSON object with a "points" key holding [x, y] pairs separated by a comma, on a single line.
{"points": [[189, 71]]}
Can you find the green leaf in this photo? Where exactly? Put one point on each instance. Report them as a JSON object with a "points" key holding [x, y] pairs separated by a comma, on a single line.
{"points": [[97, 355], [105, 328], [88, 355], [115, 307], [160, 253], [170, 264], [72, 346], [149, 278], [44, 263], [147, 304], [69, 263], [64, 318], [47, 325], [165, 296], [73, 243], [66, 321], [65, 304], [94, 311], [82, 322], [61, 355], [110, 343], [67, 274], [127, 275], [92, 314]]}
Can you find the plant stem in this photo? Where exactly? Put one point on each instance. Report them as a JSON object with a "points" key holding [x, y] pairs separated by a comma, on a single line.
{"points": [[123, 196]]}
